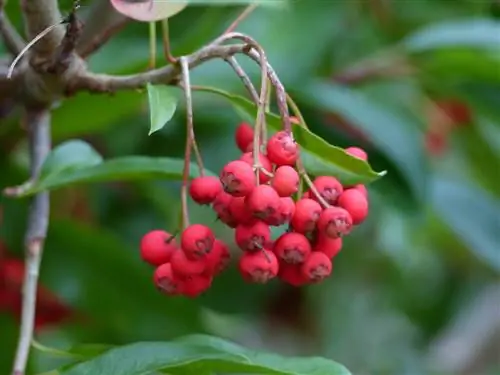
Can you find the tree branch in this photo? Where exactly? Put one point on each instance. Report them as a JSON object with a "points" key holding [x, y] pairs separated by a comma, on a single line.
{"points": [[39, 15], [38, 122], [244, 78], [9, 34], [107, 83]]}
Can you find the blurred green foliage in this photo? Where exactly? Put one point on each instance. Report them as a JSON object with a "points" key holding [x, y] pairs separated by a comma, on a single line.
{"points": [[428, 249]]}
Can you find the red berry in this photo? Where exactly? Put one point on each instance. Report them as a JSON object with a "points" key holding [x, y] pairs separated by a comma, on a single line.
{"points": [[258, 267], [357, 152], [183, 267], [307, 212], [218, 259], [239, 211], [263, 202], [317, 267], [362, 189], [203, 190], [197, 241], [328, 187], [157, 246], [193, 286], [284, 214], [292, 274], [221, 207], [335, 222], [292, 247], [329, 246], [243, 136], [285, 181], [354, 202], [282, 149], [294, 120], [165, 280], [238, 178], [247, 157], [253, 237]]}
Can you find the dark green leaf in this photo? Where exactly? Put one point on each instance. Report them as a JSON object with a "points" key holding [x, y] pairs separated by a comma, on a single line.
{"points": [[76, 162], [475, 33], [200, 354], [319, 157], [162, 106]]}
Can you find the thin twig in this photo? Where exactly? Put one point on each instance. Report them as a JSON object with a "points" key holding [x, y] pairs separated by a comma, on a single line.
{"points": [[165, 33], [13, 41], [303, 173], [87, 49], [244, 78], [186, 83], [152, 45], [39, 138], [246, 12], [66, 49]]}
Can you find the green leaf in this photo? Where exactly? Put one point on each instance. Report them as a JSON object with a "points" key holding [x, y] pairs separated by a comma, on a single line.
{"points": [[475, 33], [200, 354], [162, 106], [76, 162], [319, 157]]}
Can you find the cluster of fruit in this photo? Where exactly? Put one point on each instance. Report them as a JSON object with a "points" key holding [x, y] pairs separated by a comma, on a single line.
{"points": [[251, 195]]}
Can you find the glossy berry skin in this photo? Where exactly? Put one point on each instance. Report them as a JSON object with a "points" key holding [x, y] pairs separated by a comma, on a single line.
{"points": [[193, 286], [307, 213], [292, 248], [247, 157], [197, 241], [263, 202], [157, 246], [285, 212], [354, 202], [218, 259], [282, 149], [252, 237], [183, 267], [317, 267], [362, 189], [244, 136], [237, 178], [203, 190], [285, 181], [328, 187], [357, 152], [221, 208], [258, 267], [328, 246], [292, 274], [239, 211], [334, 222], [165, 280]]}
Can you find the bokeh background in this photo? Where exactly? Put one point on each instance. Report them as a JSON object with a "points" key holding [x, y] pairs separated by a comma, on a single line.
{"points": [[415, 289]]}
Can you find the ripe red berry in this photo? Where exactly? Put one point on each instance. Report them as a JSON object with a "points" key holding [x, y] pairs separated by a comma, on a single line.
{"points": [[282, 149], [165, 280], [354, 202], [253, 237], [284, 214], [197, 241], [357, 152], [243, 136], [292, 274], [247, 157], [334, 222], [157, 246], [285, 181], [218, 259], [307, 213], [292, 247], [193, 286], [239, 211], [263, 202], [362, 189], [183, 267], [328, 187], [221, 208], [238, 178], [317, 267], [329, 246], [258, 267], [203, 190]]}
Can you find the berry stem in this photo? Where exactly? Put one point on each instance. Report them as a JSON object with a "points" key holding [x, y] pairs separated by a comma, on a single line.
{"points": [[296, 110], [152, 45], [244, 78], [165, 33], [246, 12], [189, 141], [309, 183]]}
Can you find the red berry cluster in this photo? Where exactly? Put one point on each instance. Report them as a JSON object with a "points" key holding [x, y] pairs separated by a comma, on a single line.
{"points": [[251, 199]]}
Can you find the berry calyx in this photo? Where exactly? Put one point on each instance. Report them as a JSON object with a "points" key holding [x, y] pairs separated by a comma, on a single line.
{"points": [[263, 202], [285, 181], [165, 280], [264, 177], [237, 178], [292, 248], [329, 188], [258, 267], [156, 247], [197, 240], [243, 136], [354, 202], [282, 149], [357, 152], [183, 267], [284, 214], [203, 190], [334, 222], [253, 237], [307, 213], [317, 267], [328, 246]]}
